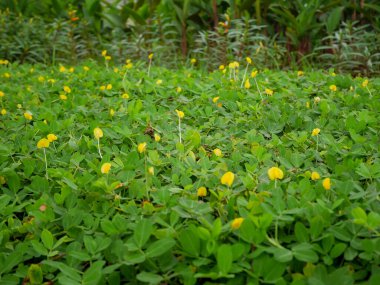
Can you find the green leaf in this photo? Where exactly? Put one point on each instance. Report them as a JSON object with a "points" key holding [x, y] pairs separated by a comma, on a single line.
{"points": [[159, 247], [35, 274], [142, 232], [93, 274], [224, 259], [134, 257], [47, 239], [338, 249], [360, 216], [65, 269], [190, 242], [282, 254], [304, 252], [301, 232], [149, 277]]}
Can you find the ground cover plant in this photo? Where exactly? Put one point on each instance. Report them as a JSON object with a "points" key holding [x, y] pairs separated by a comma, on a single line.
{"points": [[137, 174]]}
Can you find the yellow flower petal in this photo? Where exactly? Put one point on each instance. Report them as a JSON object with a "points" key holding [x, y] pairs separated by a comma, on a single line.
{"points": [[51, 137], [202, 191], [141, 147], [105, 168], [315, 132], [275, 173], [236, 223], [315, 175], [98, 133], [326, 183], [227, 178], [43, 143], [180, 114]]}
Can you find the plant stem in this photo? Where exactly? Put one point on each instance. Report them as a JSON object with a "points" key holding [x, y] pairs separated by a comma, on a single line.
{"points": [[146, 177], [150, 63], [258, 89], [370, 94], [46, 166], [101, 157], [179, 129], [245, 74]]}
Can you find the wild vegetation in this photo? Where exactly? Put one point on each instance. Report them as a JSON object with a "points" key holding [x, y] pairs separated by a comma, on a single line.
{"points": [[138, 174], [341, 34]]}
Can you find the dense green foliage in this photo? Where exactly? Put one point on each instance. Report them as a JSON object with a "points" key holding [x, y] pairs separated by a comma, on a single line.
{"points": [[69, 217], [340, 34]]}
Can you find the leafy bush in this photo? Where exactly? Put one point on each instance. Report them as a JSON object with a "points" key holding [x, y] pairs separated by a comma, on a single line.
{"points": [[111, 176]]}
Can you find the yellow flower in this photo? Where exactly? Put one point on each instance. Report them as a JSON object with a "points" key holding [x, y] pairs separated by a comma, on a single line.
{"points": [[51, 80], [180, 114], [104, 52], [333, 74], [159, 81], [193, 61], [71, 69], [317, 100], [2, 94], [254, 73], [43, 143], [41, 78], [227, 178], [179, 89], [62, 68], [67, 89], [51, 137], [268, 91], [333, 87], [129, 65], [102, 88], [233, 64], [112, 112], [202, 192], [315, 176], [108, 57], [109, 86], [215, 99], [19, 106], [3, 112], [105, 168], [221, 67], [116, 70], [157, 137], [150, 56], [236, 223], [365, 83], [86, 68], [315, 132], [7, 75], [125, 96], [217, 152], [28, 116], [63, 97], [151, 170], [326, 183], [248, 59], [98, 133], [247, 84], [141, 147], [275, 173], [300, 73]]}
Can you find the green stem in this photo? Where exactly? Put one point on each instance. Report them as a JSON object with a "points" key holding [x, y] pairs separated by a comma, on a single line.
{"points": [[101, 157], [46, 166], [150, 64], [179, 129], [258, 89], [245, 74]]}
